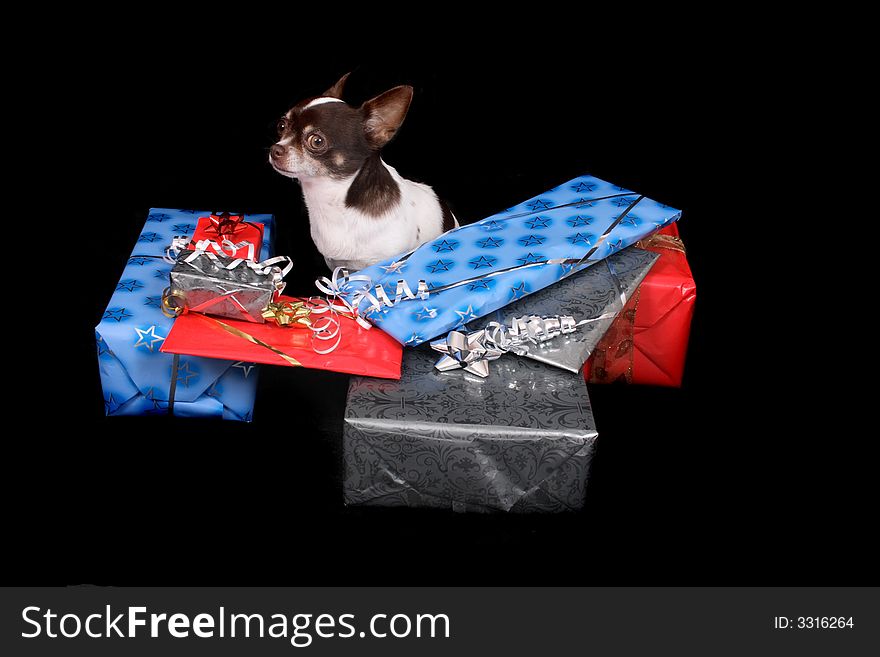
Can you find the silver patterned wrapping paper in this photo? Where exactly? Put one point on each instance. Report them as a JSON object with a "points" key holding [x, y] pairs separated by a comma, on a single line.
{"points": [[585, 295], [520, 440], [209, 281]]}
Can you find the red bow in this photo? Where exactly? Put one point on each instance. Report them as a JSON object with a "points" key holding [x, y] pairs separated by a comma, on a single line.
{"points": [[225, 223]]}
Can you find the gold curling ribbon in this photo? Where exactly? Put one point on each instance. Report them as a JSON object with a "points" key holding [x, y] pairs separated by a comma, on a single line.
{"points": [[247, 336], [294, 314], [661, 241], [173, 302]]}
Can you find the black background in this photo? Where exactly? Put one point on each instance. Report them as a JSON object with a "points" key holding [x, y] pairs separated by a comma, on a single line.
{"points": [[689, 486]]}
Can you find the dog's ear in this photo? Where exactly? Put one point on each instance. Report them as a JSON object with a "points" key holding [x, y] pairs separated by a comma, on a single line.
{"points": [[336, 90], [384, 114]]}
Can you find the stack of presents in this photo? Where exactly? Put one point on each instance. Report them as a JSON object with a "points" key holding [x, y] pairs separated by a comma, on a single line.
{"points": [[470, 354]]}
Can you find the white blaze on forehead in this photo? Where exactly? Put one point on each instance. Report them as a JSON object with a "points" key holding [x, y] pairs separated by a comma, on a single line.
{"points": [[321, 101]]}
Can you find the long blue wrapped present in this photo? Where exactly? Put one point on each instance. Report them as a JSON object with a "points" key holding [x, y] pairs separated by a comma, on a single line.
{"points": [[476, 269], [136, 377]]}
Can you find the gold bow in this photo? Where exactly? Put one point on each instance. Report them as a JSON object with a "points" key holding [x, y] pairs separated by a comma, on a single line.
{"points": [[293, 314]]}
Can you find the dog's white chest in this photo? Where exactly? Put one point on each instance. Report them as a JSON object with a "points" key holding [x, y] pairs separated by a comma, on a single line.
{"points": [[347, 236]]}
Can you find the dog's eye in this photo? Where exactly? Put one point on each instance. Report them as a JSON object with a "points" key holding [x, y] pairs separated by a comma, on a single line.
{"points": [[316, 142], [282, 126]]}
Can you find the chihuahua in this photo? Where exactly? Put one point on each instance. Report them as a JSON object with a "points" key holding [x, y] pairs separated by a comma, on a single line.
{"points": [[361, 211]]}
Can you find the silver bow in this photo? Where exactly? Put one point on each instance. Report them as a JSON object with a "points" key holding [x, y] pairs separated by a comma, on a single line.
{"points": [[473, 351]]}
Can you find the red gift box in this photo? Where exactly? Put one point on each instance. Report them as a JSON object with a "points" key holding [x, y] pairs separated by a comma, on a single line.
{"points": [[366, 352], [229, 235], [647, 343]]}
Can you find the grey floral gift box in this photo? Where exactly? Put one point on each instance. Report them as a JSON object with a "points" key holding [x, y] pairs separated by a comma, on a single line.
{"points": [[520, 440], [597, 293]]}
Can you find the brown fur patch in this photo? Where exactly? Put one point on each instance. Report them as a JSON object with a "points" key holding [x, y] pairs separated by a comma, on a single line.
{"points": [[448, 217], [373, 191]]}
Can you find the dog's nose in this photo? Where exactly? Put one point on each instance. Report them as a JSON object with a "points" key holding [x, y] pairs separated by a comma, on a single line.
{"points": [[277, 151]]}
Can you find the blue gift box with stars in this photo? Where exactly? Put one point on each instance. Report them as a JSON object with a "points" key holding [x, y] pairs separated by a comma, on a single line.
{"points": [[478, 268], [136, 377]]}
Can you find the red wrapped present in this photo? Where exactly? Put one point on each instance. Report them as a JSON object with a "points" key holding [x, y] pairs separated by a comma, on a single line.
{"points": [[229, 235], [647, 343], [367, 352]]}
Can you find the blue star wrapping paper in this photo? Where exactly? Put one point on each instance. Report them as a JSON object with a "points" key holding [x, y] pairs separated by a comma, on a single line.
{"points": [[476, 269], [135, 376]]}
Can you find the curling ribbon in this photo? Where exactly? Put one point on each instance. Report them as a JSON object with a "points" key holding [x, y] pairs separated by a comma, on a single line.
{"points": [[225, 247], [247, 336], [172, 251], [228, 249], [335, 286], [473, 351], [269, 267], [662, 241], [173, 302], [324, 329]]}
